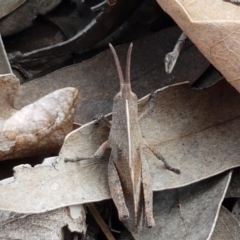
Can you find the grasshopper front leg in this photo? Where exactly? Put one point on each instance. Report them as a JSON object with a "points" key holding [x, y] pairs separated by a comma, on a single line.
{"points": [[97, 155], [100, 152]]}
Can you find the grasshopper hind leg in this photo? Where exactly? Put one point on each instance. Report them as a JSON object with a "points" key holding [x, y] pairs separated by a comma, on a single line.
{"points": [[117, 192], [147, 194], [160, 157]]}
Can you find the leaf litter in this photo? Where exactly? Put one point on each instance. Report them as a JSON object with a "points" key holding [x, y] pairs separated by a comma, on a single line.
{"points": [[38, 127], [234, 189], [227, 227], [93, 135], [42, 226], [96, 78], [214, 28], [189, 212], [202, 142]]}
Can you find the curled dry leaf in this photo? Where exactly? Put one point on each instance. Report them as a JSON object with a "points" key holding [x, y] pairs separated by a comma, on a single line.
{"points": [[213, 26], [38, 127], [189, 212], [227, 227], [42, 226], [194, 132]]}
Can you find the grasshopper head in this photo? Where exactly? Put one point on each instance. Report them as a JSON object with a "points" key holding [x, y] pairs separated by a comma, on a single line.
{"points": [[125, 84]]}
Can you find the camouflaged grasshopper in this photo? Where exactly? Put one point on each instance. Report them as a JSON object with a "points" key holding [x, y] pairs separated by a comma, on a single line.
{"points": [[128, 174]]}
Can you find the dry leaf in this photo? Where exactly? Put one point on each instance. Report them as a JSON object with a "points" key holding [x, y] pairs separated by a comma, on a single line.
{"points": [[42, 226], [213, 26], [227, 228], [236, 211], [195, 133], [8, 6], [5, 67], [97, 80], [38, 127], [234, 187], [187, 213]]}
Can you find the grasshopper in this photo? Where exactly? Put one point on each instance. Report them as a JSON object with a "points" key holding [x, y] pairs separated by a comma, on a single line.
{"points": [[128, 174]]}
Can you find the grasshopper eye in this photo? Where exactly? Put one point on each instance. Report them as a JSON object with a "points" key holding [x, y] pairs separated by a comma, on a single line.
{"points": [[97, 118]]}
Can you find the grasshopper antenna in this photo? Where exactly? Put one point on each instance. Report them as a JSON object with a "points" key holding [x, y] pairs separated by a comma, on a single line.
{"points": [[119, 69], [128, 64]]}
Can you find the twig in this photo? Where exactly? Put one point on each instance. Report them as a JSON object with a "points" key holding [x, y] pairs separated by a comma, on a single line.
{"points": [[98, 6], [100, 221], [171, 58]]}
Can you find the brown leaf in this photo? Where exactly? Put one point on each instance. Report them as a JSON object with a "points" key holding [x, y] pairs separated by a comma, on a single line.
{"points": [[37, 128], [42, 226], [226, 227], [194, 132], [187, 213], [40, 126], [97, 80], [213, 26]]}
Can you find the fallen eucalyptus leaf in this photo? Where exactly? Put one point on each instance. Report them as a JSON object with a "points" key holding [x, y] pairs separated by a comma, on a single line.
{"points": [[38, 127], [42, 226], [187, 213], [213, 27], [97, 81], [9, 6], [227, 228], [6, 167], [194, 132]]}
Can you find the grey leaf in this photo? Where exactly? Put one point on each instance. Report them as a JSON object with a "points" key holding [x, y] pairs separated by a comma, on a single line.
{"points": [[187, 213], [41, 226], [227, 228]]}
